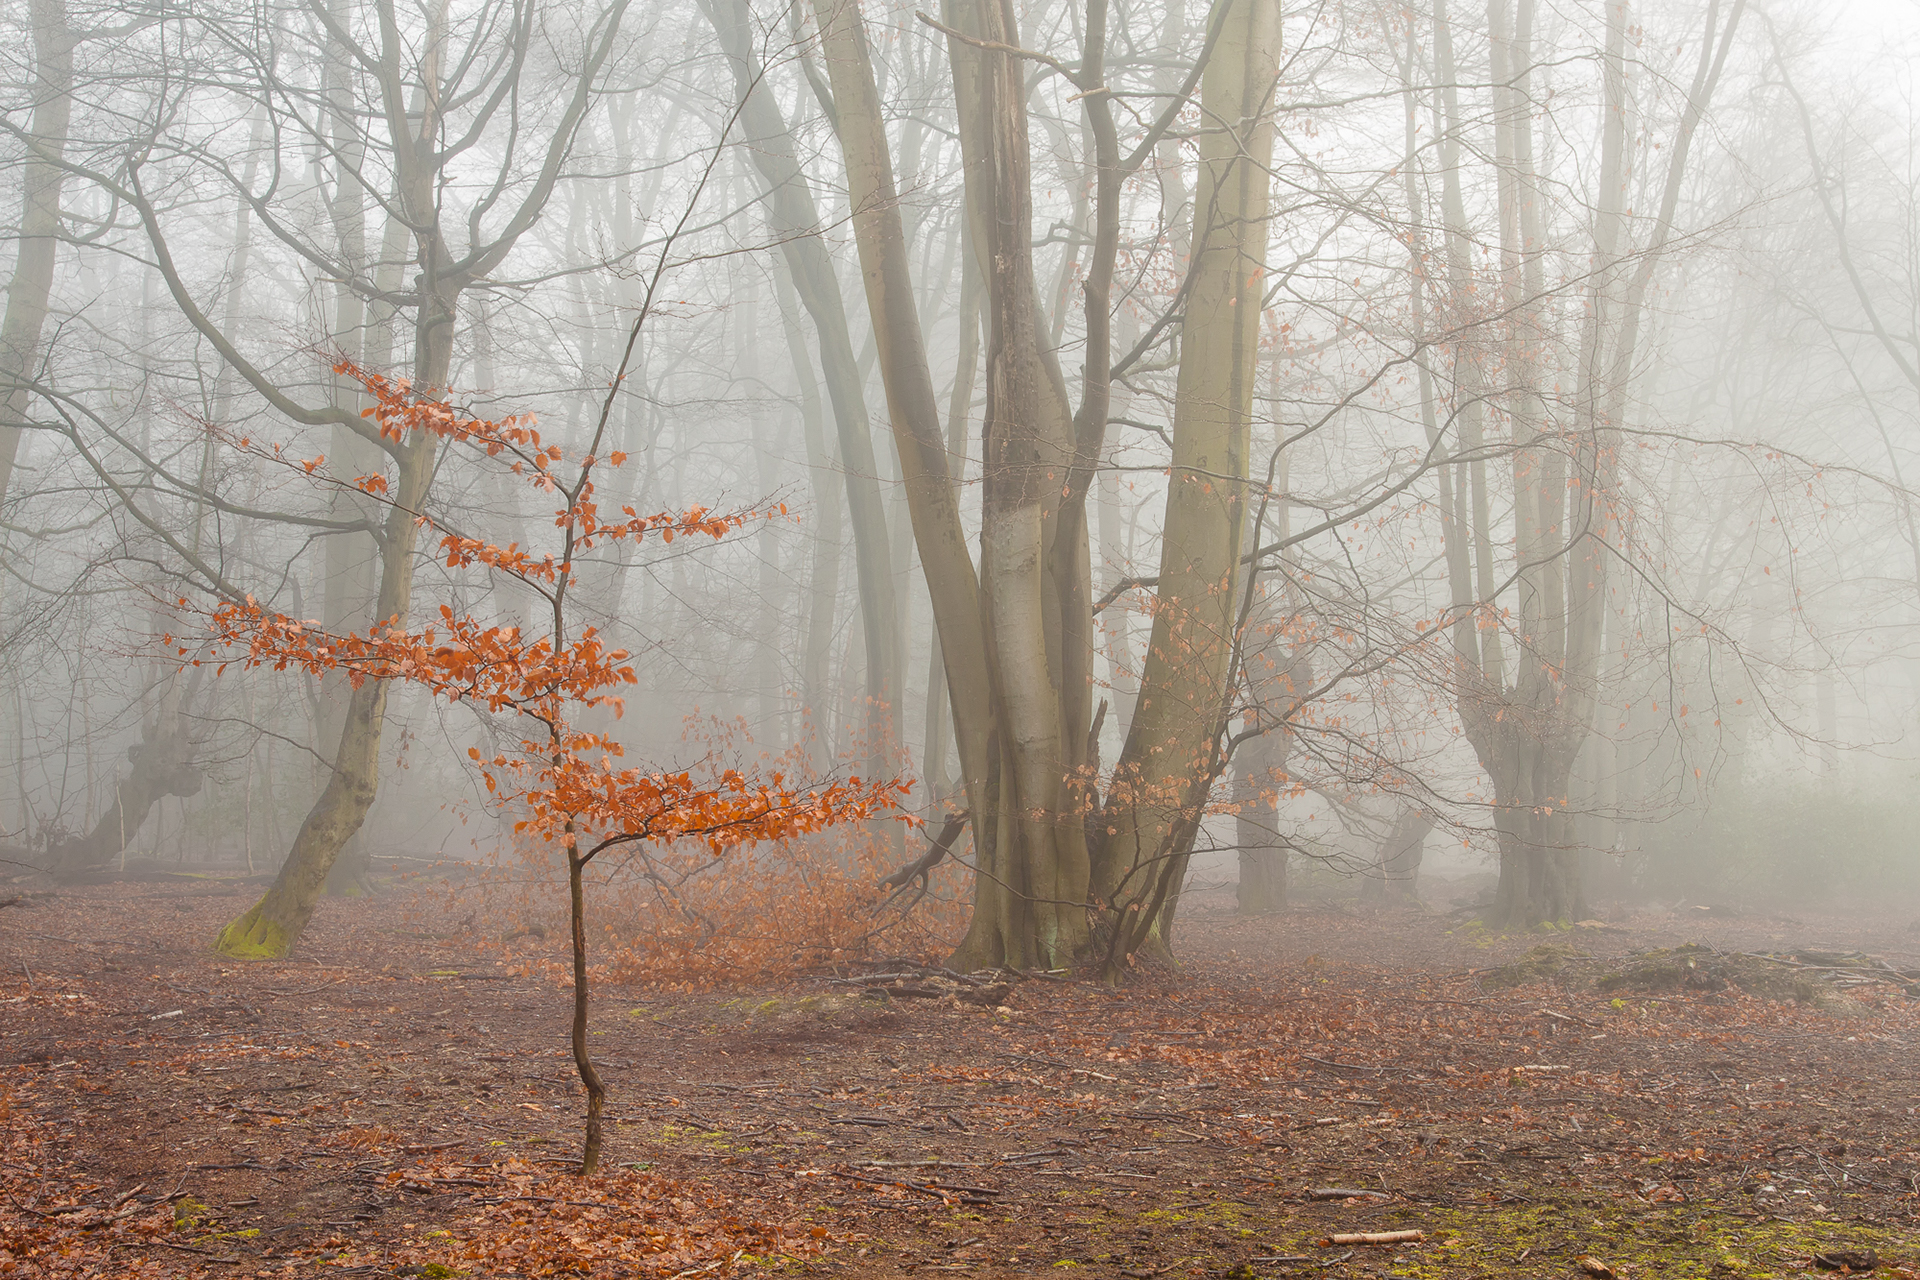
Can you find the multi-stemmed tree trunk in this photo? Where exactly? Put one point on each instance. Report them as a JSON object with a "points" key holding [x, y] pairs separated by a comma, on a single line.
{"points": [[409, 87], [1016, 637], [1527, 722], [1160, 784]]}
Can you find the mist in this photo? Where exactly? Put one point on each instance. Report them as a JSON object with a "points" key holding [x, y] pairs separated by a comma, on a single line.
{"points": [[1306, 453]]}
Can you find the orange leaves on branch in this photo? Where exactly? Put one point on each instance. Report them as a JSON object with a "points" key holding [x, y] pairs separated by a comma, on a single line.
{"points": [[462, 660], [562, 781], [629, 804], [462, 552], [397, 410]]}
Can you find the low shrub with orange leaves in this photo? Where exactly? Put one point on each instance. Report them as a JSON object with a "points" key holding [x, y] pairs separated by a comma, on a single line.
{"points": [[677, 917], [681, 915]]}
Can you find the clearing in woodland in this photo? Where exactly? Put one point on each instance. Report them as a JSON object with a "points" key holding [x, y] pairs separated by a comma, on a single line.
{"points": [[395, 1102]]}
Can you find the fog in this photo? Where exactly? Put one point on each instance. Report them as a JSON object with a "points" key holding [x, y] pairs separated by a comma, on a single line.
{"points": [[1247, 446]]}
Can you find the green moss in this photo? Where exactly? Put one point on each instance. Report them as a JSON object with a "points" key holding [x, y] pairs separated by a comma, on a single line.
{"points": [[716, 1139], [1544, 961], [254, 937], [1681, 1243], [1697, 968]]}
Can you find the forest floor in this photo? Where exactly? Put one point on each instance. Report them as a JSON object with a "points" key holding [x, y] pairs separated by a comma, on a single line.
{"points": [[395, 1103]]}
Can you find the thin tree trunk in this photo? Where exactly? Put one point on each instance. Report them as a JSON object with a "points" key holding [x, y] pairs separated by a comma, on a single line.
{"points": [[796, 222], [829, 504], [1150, 811], [30, 291], [959, 412]]}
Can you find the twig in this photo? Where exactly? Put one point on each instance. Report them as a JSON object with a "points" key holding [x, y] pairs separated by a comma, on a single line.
{"points": [[992, 46], [1377, 1237], [969, 1195], [1344, 1066]]}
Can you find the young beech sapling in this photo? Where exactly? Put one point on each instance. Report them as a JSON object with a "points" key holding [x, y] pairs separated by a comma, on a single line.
{"points": [[562, 784]]}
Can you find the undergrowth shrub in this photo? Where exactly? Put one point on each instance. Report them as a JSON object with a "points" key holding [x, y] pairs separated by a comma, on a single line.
{"points": [[677, 916]]}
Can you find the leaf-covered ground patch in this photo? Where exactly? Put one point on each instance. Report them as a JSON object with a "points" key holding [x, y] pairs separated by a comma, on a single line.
{"points": [[395, 1103]]}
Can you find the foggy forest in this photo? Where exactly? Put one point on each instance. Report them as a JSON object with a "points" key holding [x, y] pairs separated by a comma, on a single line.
{"points": [[1198, 566]]}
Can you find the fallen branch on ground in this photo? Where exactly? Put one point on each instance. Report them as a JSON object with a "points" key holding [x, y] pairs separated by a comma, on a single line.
{"points": [[1346, 1193], [1375, 1237]]}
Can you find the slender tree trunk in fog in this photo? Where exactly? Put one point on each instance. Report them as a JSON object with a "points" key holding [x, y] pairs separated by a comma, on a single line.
{"points": [[796, 222], [829, 514], [1277, 676], [271, 927], [349, 587], [1262, 886], [31, 287], [273, 924], [1158, 788], [939, 717]]}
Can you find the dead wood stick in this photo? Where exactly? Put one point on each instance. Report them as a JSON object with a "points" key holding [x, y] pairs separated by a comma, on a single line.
{"points": [[1345, 1193], [305, 991], [1413, 1236], [942, 846], [924, 1188]]}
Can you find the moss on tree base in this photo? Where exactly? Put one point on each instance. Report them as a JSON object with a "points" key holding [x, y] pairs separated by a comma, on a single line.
{"points": [[255, 936]]}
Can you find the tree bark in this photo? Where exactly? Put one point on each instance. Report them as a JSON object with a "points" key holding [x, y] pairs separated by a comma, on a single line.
{"points": [[796, 222], [349, 587], [1151, 813], [162, 766], [271, 927], [1030, 896], [30, 290]]}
